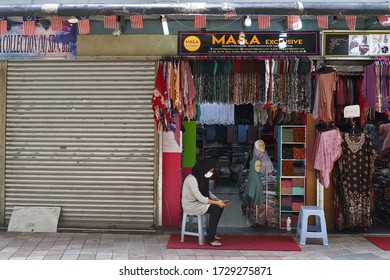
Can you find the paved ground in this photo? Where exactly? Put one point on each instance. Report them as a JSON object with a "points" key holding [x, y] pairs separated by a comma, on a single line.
{"points": [[123, 246]]}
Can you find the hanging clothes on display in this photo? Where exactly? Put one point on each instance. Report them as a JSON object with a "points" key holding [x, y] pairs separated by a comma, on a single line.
{"points": [[384, 140], [257, 83], [326, 81], [327, 152], [375, 88], [349, 88], [352, 176]]}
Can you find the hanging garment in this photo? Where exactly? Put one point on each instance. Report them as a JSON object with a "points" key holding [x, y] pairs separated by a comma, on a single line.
{"points": [[328, 151], [384, 141], [242, 133], [160, 102], [353, 179], [326, 88], [190, 108]]}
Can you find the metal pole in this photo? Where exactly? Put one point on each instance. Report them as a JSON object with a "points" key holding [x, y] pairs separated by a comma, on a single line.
{"points": [[213, 8]]}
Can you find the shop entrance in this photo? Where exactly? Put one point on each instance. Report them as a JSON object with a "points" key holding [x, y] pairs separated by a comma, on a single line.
{"points": [[232, 147]]}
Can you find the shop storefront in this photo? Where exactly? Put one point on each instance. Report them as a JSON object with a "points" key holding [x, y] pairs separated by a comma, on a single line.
{"points": [[80, 133], [243, 97]]}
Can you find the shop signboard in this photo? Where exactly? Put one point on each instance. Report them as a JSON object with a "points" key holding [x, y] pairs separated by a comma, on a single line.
{"points": [[248, 43], [356, 44], [43, 44]]}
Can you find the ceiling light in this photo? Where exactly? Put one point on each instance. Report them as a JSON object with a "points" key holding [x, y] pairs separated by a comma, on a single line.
{"points": [[241, 38], [297, 25], [248, 21], [117, 32], [73, 19], [164, 24], [282, 40]]}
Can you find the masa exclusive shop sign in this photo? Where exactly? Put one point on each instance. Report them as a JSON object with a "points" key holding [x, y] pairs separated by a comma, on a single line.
{"points": [[359, 43], [248, 43]]}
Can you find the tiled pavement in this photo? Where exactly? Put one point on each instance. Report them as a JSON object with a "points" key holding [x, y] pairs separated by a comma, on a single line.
{"points": [[124, 246]]}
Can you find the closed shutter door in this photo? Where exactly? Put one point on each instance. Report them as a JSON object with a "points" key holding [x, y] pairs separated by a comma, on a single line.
{"points": [[80, 135]]}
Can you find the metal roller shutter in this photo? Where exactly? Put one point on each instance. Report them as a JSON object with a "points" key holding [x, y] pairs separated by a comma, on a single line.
{"points": [[80, 135]]}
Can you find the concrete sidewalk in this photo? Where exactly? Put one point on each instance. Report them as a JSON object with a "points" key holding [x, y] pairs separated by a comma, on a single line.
{"points": [[124, 246]]}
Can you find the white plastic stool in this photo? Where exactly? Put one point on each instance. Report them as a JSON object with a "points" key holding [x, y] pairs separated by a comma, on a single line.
{"points": [[201, 225], [305, 231]]}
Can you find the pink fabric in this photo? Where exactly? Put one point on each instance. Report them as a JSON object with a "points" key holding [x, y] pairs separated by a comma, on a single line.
{"points": [[329, 150], [326, 87]]}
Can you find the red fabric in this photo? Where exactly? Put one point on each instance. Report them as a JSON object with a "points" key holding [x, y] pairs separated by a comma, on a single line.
{"points": [[264, 22], [159, 101], [322, 22], [111, 22], [137, 21], [238, 242], [56, 23], [351, 22], [29, 26], [383, 20], [84, 27], [291, 20], [3, 26], [230, 14], [381, 242], [199, 21]]}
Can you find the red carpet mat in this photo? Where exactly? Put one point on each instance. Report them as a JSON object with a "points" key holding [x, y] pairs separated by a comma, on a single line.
{"points": [[238, 242], [381, 242]]}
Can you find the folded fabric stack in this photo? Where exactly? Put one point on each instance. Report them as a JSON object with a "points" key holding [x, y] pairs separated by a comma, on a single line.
{"points": [[286, 186], [287, 168], [287, 152], [286, 203], [299, 134], [299, 168], [297, 202], [299, 153], [298, 186], [294, 220], [288, 135]]}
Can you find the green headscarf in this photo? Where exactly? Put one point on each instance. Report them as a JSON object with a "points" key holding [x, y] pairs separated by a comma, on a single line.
{"points": [[253, 194]]}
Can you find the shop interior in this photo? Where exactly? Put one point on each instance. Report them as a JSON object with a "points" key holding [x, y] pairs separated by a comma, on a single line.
{"points": [[233, 143]]}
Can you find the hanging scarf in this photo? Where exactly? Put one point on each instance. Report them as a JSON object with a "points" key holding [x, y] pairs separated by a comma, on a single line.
{"points": [[160, 102]]}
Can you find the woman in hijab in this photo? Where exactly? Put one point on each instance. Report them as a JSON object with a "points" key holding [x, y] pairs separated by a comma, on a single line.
{"points": [[253, 194], [198, 200]]}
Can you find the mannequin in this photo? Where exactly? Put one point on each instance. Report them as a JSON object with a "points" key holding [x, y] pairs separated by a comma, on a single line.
{"points": [[260, 153], [253, 194]]}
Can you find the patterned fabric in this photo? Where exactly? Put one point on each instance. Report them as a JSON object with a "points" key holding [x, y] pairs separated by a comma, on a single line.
{"points": [[328, 151], [353, 178], [266, 163]]}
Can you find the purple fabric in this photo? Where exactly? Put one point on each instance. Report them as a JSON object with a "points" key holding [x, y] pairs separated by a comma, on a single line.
{"points": [[369, 86]]}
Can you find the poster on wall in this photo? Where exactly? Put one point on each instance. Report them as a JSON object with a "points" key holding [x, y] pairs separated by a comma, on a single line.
{"points": [[248, 43], [362, 44], [43, 44]]}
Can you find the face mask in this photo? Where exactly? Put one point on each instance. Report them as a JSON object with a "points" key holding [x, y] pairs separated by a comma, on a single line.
{"points": [[208, 174]]}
